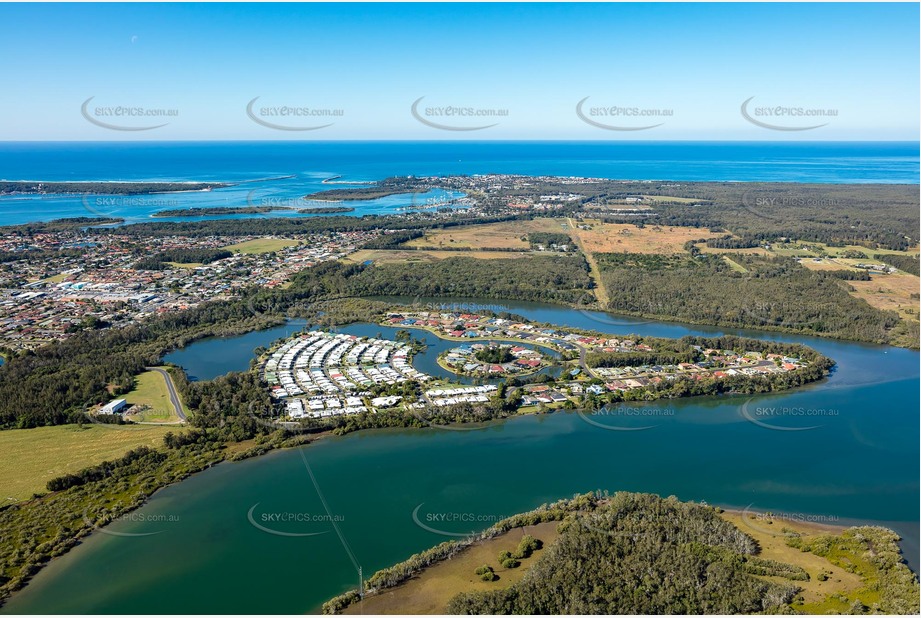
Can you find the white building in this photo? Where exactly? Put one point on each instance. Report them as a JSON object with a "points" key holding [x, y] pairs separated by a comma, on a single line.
{"points": [[114, 407]]}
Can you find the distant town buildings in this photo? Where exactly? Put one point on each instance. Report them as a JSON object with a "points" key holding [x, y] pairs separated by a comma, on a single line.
{"points": [[75, 280]]}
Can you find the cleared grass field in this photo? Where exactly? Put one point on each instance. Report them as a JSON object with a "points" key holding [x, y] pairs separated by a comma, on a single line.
{"points": [[735, 265], [58, 278], [746, 251], [772, 540], [504, 235], [825, 264], [627, 238], [261, 245], [32, 457], [672, 198], [890, 292], [150, 391], [396, 256], [801, 250], [430, 591]]}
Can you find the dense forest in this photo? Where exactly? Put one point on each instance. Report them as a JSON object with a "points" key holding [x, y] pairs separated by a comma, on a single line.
{"points": [[774, 293], [247, 210], [192, 255], [538, 278], [294, 225], [347, 195], [393, 240], [884, 216], [630, 553], [325, 210], [671, 558], [26, 230]]}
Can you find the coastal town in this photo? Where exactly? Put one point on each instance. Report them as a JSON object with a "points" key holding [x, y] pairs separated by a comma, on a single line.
{"points": [[93, 280], [58, 281], [321, 374]]}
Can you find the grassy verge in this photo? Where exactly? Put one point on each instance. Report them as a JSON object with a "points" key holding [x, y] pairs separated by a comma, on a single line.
{"points": [[151, 394]]}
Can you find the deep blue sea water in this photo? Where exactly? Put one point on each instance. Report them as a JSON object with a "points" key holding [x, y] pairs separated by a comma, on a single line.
{"points": [[259, 165]]}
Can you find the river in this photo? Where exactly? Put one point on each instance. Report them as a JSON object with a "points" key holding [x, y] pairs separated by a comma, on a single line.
{"points": [[255, 537]]}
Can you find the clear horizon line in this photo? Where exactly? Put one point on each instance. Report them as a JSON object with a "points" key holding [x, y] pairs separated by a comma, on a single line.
{"points": [[464, 141]]}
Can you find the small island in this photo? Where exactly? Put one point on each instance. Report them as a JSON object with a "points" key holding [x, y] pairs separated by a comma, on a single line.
{"points": [[353, 195], [373, 190], [217, 210], [36, 187], [247, 210], [325, 210]]}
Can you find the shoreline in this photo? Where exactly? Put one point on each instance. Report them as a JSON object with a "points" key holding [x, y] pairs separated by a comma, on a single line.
{"points": [[80, 539], [812, 527], [326, 434], [387, 595]]}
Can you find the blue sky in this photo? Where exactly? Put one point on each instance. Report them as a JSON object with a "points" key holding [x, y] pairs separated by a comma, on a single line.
{"points": [[363, 65]]}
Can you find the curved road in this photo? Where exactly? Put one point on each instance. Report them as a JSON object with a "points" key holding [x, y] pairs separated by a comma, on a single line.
{"points": [[173, 395]]}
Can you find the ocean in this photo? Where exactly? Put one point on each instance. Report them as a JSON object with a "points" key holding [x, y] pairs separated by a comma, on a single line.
{"points": [[281, 173]]}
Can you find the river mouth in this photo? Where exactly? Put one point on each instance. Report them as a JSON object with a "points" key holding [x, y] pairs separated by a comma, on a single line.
{"points": [[857, 467]]}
